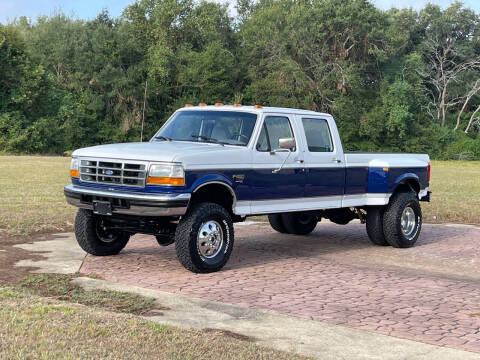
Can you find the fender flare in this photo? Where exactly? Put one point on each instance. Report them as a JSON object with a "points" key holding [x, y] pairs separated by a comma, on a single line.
{"points": [[407, 178], [215, 179]]}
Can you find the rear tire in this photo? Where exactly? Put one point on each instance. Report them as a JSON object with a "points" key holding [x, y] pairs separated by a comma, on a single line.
{"points": [[94, 239], [276, 223], [375, 225], [299, 223], [204, 238], [402, 220]]}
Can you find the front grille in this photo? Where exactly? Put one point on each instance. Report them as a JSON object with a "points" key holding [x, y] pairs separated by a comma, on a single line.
{"points": [[113, 172]]}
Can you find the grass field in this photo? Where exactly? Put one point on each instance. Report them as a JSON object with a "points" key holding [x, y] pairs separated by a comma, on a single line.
{"points": [[456, 193], [39, 328], [31, 189], [31, 193]]}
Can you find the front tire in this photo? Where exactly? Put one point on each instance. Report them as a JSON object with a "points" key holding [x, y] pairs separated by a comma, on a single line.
{"points": [[299, 223], [402, 220], [95, 238], [204, 238]]}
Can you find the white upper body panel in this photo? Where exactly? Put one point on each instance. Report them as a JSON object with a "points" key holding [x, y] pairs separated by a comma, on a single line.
{"points": [[390, 160], [200, 155], [163, 151]]}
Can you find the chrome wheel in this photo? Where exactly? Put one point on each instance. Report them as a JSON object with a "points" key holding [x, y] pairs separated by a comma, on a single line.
{"points": [[210, 239], [408, 223]]}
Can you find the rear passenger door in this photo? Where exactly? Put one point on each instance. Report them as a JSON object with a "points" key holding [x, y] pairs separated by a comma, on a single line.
{"points": [[324, 162]]}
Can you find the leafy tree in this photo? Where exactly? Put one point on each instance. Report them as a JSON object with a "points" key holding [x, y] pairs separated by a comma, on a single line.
{"points": [[395, 80]]}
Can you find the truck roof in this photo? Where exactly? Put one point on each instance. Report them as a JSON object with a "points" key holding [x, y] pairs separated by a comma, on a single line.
{"points": [[253, 109]]}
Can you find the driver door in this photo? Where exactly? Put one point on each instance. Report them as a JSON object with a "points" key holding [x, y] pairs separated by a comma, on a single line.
{"points": [[273, 191]]}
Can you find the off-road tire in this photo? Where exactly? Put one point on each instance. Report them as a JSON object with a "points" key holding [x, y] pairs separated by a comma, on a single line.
{"points": [[392, 219], [88, 239], [276, 223], [296, 224], [187, 231], [375, 225]]}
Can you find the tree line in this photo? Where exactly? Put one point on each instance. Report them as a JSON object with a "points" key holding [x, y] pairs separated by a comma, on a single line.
{"points": [[396, 80]]}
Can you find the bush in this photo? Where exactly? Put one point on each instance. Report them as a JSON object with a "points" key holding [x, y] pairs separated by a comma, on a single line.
{"points": [[462, 147]]}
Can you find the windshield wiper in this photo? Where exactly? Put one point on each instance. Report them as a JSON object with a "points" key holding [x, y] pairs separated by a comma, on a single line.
{"points": [[209, 139], [161, 137]]}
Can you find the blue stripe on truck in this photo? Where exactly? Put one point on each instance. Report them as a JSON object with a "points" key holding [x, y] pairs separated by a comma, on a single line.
{"points": [[262, 184]]}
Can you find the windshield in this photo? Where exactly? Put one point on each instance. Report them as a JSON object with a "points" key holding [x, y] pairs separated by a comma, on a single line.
{"points": [[223, 127]]}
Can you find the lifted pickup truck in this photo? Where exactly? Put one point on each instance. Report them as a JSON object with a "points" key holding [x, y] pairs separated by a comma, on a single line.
{"points": [[211, 166]]}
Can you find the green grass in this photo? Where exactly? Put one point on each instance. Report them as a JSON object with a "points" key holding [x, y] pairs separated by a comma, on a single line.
{"points": [[31, 193], [31, 189], [40, 328], [61, 288], [456, 192]]}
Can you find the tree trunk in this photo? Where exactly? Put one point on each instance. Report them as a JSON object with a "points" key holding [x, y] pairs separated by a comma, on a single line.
{"points": [[471, 119], [460, 113], [442, 105], [471, 93]]}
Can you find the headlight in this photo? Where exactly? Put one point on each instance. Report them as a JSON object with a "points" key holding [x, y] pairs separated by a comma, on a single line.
{"points": [[160, 174], [74, 167]]}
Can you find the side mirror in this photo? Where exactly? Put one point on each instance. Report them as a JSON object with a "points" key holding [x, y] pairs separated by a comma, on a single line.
{"points": [[287, 143]]}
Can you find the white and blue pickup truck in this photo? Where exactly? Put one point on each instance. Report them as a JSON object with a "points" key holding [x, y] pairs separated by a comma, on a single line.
{"points": [[211, 166]]}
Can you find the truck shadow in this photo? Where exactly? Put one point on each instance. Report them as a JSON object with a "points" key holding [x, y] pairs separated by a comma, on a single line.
{"points": [[256, 245]]}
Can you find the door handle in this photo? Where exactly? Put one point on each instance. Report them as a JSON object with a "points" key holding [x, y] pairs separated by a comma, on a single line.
{"points": [[335, 160], [299, 161]]}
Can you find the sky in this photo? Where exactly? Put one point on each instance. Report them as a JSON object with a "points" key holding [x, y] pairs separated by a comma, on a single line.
{"points": [[88, 9]]}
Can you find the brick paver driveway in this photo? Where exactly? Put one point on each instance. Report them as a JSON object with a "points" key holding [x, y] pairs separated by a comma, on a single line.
{"points": [[429, 293]]}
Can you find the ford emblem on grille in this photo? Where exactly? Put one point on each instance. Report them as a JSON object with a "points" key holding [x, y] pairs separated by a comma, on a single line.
{"points": [[108, 172]]}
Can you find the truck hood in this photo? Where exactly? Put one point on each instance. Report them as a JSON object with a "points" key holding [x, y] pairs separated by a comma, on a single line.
{"points": [[162, 151]]}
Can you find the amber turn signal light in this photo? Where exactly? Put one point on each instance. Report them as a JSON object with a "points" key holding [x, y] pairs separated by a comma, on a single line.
{"points": [[154, 180], [74, 173]]}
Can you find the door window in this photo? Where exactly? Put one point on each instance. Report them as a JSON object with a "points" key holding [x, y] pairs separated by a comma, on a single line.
{"points": [[273, 129], [318, 135]]}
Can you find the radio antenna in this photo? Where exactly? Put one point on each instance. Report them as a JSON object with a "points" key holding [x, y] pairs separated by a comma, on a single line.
{"points": [[143, 112]]}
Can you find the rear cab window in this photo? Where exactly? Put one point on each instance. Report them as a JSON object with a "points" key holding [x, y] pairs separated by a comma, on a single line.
{"points": [[318, 135]]}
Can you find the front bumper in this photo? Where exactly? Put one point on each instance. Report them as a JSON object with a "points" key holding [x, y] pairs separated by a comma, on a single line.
{"points": [[128, 202]]}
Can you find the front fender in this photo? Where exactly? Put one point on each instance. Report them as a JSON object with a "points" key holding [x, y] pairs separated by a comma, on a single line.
{"points": [[211, 178]]}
